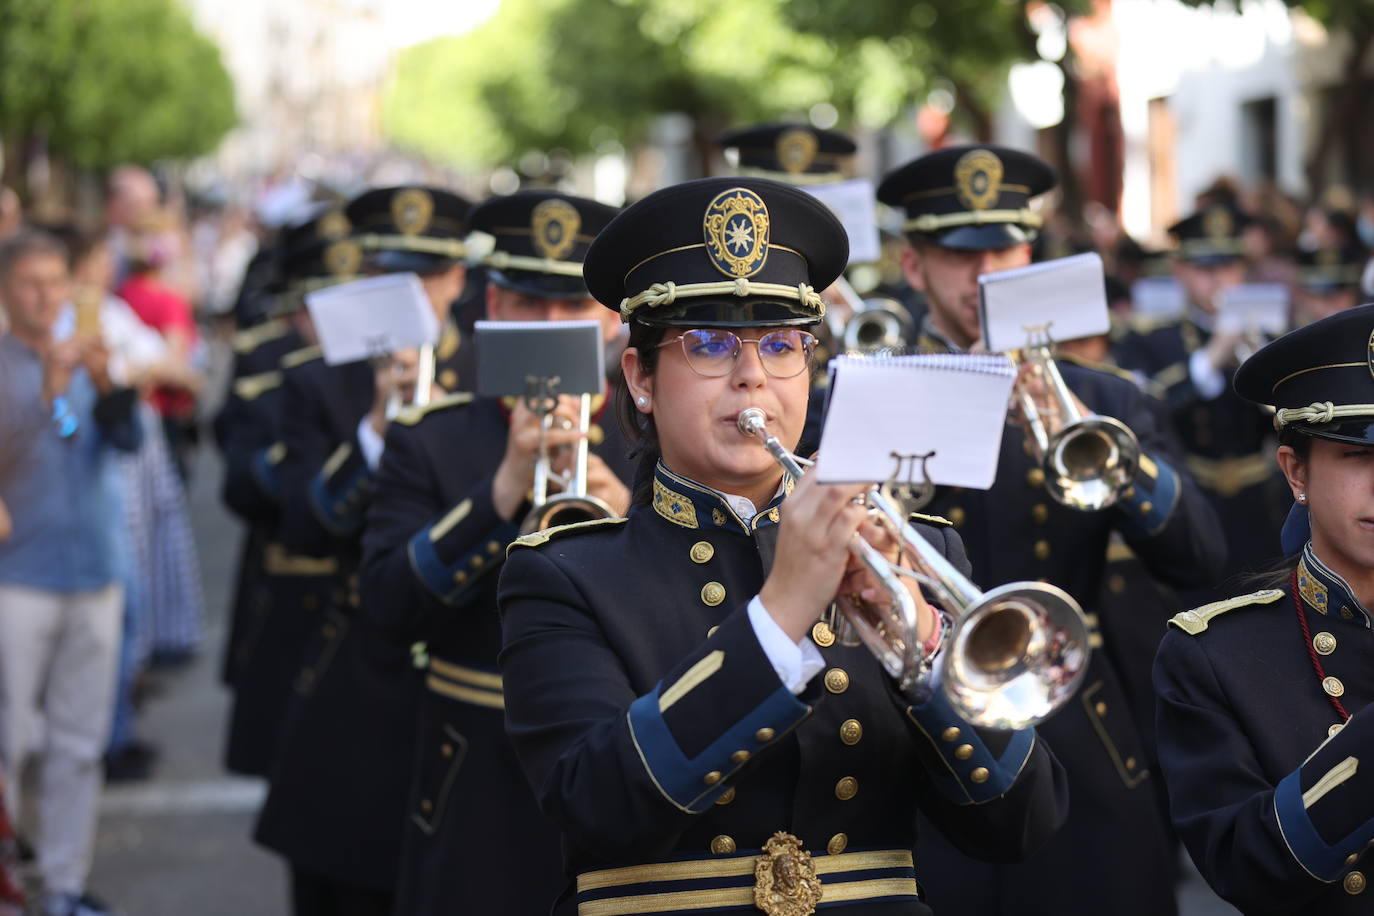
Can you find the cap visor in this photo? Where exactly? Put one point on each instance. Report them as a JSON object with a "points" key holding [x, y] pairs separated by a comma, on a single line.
{"points": [[1357, 430], [983, 238], [726, 313], [542, 286]]}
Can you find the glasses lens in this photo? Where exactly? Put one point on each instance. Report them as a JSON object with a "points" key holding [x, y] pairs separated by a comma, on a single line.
{"points": [[711, 352], [786, 353]]}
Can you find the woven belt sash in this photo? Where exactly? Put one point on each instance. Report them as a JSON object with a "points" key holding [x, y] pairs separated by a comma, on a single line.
{"points": [[691, 886], [1228, 476]]}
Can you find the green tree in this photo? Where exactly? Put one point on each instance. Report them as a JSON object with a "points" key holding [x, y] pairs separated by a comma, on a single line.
{"points": [[108, 81]]}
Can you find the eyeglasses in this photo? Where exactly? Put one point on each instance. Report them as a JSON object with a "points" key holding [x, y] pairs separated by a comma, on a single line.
{"points": [[713, 352]]}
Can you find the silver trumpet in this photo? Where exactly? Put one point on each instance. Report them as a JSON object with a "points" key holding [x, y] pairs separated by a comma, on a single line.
{"points": [[1009, 657], [1088, 459], [573, 504], [880, 324]]}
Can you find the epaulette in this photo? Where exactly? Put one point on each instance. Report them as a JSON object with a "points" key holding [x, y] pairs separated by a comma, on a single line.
{"points": [[1195, 621], [1093, 364], [1148, 324], [540, 538], [939, 521], [249, 387], [249, 339], [300, 357], [412, 415]]}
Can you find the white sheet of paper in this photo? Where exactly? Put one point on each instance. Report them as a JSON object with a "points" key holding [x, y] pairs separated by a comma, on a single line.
{"points": [[372, 317], [952, 404], [1158, 297], [1067, 295], [1255, 308], [854, 204]]}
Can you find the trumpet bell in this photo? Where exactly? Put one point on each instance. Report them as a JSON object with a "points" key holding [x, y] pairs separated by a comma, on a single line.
{"points": [[882, 324], [1016, 656], [565, 509], [1090, 462]]}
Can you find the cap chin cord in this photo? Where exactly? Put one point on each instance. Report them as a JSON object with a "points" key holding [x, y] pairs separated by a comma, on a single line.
{"points": [[661, 294], [1320, 412]]}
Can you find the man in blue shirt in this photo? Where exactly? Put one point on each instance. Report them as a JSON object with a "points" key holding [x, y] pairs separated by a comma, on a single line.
{"points": [[60, 597]]}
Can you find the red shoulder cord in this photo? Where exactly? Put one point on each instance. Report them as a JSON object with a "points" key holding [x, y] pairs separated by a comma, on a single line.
{"points": [[1312, 650]]}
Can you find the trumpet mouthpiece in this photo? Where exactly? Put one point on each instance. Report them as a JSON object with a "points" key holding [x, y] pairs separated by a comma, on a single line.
{"points": [[751, 421]]}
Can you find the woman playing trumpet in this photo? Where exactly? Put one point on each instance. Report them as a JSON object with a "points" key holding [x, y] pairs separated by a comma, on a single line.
{"points": [[683, 714]]}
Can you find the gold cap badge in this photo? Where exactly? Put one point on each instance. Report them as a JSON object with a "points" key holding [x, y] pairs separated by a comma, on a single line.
{"points": [[555, 224], [411, 210], [978, 179], [796, 150], [333, 225], [736, 229], [1217, 223], [343, 258]]}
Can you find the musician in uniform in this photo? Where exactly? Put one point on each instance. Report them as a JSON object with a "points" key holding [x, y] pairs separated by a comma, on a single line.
{"points": [[1188, 361], [1265, 722], [1328, 282], [968, 212], [451, 494], [280, 593], [352, 721], [684, 716]]}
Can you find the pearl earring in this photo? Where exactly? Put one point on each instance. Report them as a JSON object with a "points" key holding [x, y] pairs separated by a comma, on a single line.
{"points": [[643, 401], [1302, 497]]}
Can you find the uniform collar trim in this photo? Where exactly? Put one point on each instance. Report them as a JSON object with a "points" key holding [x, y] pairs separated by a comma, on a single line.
{"points": [[688, 504], [933, 339], [1326, 591]]}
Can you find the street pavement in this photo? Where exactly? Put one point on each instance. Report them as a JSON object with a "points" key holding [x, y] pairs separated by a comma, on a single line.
{"points": [[179, 844]]}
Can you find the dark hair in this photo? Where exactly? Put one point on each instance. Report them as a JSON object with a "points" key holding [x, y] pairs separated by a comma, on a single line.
{"points": [[638, 428], [78, 242], [27, 243], [1277, 573]]}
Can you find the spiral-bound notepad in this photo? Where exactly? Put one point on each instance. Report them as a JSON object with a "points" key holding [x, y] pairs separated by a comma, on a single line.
{"points": [[887, 411]]}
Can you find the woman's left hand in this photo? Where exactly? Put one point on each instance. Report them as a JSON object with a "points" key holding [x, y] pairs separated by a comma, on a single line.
{"points": [[859, 579]]}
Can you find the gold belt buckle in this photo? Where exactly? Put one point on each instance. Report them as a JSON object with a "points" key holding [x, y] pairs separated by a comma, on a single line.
{"points": [[785, 882]]}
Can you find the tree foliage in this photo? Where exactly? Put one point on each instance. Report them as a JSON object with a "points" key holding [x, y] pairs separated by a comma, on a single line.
{"points": [[109, 81]]}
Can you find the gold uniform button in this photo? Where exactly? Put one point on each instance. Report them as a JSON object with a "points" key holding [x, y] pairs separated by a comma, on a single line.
{"points": [[1116, 583], [727, 797], [723, 845], [957, 516], [837, 844], [1035, 477], [951, 734], [448, 379], [702, 552], [493, 548], [1333, 729], [979, 775], [1040, 513], [740, 757], [846, 788], [1147, 507], [478, 562], [851, 732], [595, 434], [1352, 859], [712, 594], [1354, 883], [1130, 763], [426, 806], [822, 635], [1333, 686], [446, 750], [711, 778], [764, 734], [1324, 643], [460, 577], [1128, 493], [1042, 550], [963, 751], [837, 680], [1100, 709]]}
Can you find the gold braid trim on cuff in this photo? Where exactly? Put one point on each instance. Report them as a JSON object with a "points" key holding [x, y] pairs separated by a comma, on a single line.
{"points": [[501, 260], [1320, 412], [453, 248], [933, 222], [667, 293]]}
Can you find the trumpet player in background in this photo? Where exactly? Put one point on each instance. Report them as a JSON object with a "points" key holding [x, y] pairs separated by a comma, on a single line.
{"points": [[967, 213], [684, 714], [352, 720], [1189, 361], [452, 491]]}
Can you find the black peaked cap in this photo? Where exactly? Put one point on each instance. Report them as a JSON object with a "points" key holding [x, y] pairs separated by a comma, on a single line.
{"points": [[541, 239], [789, 152]]}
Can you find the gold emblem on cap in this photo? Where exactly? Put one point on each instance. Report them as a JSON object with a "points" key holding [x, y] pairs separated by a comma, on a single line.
{"points": [[1370, 351], [555, 223], [978, 179], [411, 210], [333, 225], [736, 229], [796, 150], [343, 258], [1328, 257], [1218, 224], [785, 882]]}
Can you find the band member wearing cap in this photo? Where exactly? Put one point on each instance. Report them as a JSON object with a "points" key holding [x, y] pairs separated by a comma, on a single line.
{"points": [[352, 719], [1265, 723], [1188, 361], [967, 212], [1328, 282], [279, 593], [451, 494], [683, 715]]}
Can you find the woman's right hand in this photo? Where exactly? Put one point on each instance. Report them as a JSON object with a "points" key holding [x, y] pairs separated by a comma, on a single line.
{"points": [[818, 523], [515, 475]]}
